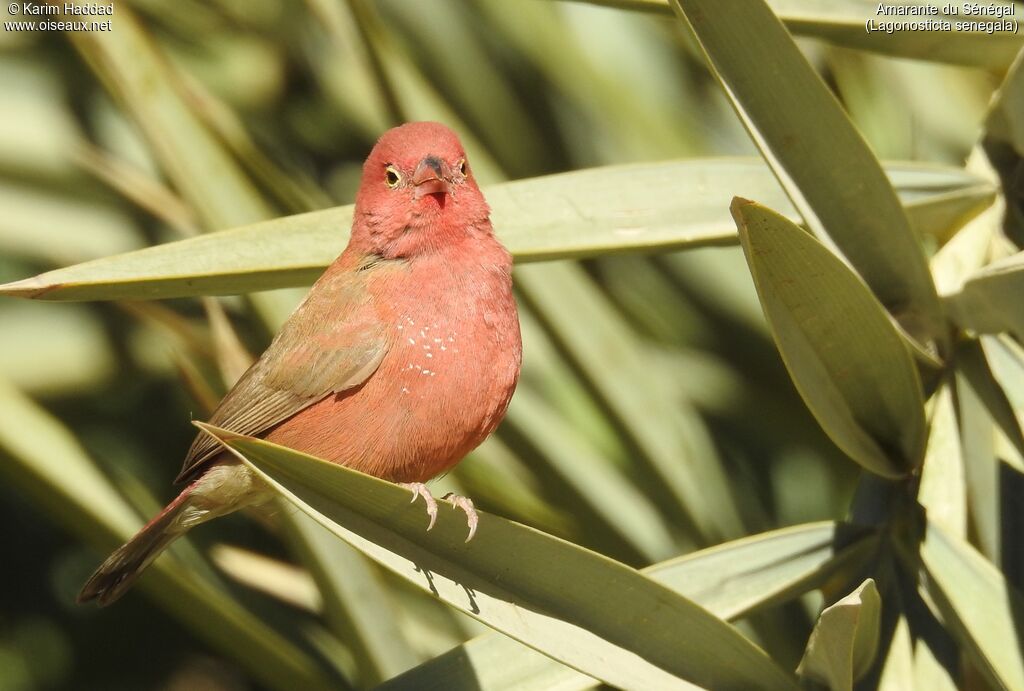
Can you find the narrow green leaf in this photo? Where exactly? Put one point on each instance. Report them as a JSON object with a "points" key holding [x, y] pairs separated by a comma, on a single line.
{"points": [[943, 490], [617, 505], [841, 349], [1006, 358], [55, 229], [491, 662], [409, 95], [45, 462], [981, 466], [967, 251], [898, 670], [588, 611], [730, 580], [802, 132], [71, 335], [131, 68], [1004, 126], [356, 605], [929, 673], [981, 608], [972, 362], [669, 435], [842, 22], [646, 207], [990, 300], [737, 578], [845, 639]]}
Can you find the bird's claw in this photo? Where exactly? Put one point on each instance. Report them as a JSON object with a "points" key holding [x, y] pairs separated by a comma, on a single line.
{"points": [[418, 489], [466, 504]]}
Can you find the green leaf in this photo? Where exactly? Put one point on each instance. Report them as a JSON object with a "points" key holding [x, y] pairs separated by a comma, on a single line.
{"points": [[132, 69], [981, 466], [826, 168], [848, 361], [898, 670], [943, 490], [1005, 125], [55, 229], [610, 359], [990, 300], [491, 662], [356, 605], [982, 610], [44, 461], [71, 335], [842, 22], [645, 207], [972, 362], [845, 639], [1006, 358], [583, 609], [929, 672], [740, 577], [731, 580], [616, 504]]}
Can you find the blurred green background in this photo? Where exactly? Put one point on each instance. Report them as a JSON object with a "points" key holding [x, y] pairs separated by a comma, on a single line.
{"points": [[629, 360]]}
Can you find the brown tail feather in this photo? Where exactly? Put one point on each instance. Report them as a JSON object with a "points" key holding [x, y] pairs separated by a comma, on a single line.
{"points": [[117, 574]]}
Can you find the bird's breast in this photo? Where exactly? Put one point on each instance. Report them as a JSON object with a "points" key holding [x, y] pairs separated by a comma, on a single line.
{"points": [[450, 370]]}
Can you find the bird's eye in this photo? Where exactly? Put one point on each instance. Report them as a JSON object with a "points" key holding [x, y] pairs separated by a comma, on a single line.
{"points": [[392, 177], [463, 168]]}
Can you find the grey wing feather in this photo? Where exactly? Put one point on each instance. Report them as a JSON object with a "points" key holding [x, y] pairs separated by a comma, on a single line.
{"points": [[308, 361]]}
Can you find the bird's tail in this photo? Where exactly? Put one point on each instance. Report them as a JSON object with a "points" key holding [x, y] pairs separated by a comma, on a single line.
{"points": [[222, 488], [117, 574]]}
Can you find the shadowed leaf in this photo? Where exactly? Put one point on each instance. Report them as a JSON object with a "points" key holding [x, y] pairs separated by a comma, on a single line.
{"points": [[982, 610]]}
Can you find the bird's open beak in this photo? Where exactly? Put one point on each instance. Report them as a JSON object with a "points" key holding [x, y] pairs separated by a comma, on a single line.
{"points": [[431, 177]]}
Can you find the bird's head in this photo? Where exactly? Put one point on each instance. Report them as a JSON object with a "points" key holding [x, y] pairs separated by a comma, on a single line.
{"points": [[417, 193]]}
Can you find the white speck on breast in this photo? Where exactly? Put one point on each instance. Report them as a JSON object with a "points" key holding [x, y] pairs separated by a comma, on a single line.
{"points": [[412, 342]]}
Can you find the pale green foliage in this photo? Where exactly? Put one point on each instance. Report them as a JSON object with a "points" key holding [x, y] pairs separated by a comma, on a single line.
{"points": [[677, 405]]}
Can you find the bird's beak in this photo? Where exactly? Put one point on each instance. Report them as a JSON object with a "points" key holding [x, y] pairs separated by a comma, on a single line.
{"points": [[431, 177]]}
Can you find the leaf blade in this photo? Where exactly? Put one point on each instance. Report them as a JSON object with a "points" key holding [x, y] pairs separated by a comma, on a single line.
{"points": [[842, 22], [476, 578], [845, 639], [983, 607], [801, 130], [538, 219], [828, 327], [730, 580]]}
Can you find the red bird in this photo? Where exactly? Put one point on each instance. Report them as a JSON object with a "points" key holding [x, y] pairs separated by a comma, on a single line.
{"points": [[401, 359]]}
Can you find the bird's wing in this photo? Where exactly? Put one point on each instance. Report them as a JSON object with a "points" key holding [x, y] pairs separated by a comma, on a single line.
{"points": [[333, 341]]}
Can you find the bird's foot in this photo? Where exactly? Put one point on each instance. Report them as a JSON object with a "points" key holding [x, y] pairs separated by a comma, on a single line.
{"points": [[466, 504], [418, 489]]}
